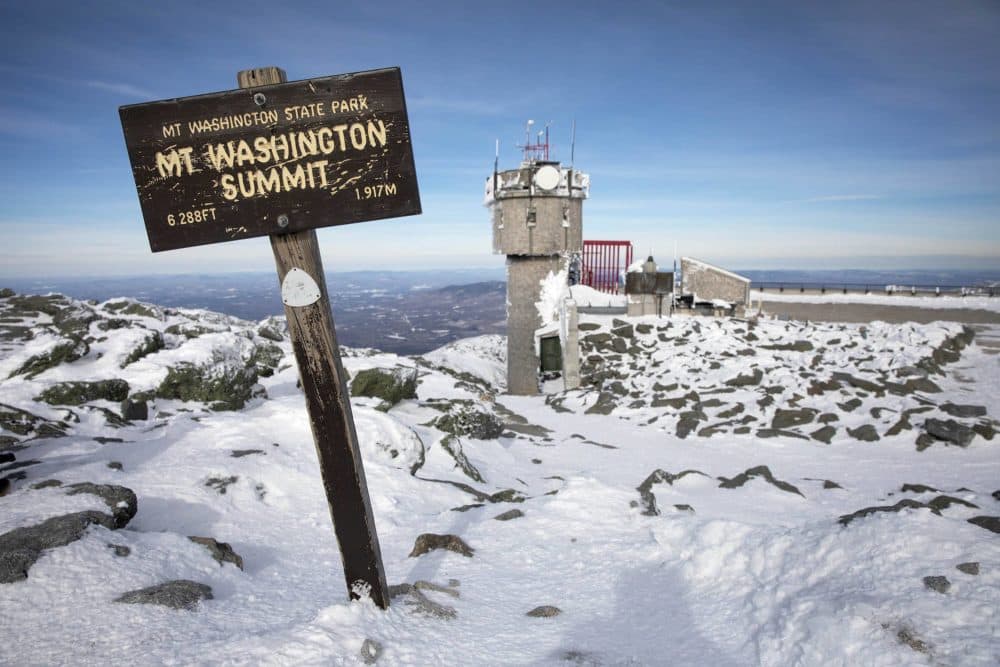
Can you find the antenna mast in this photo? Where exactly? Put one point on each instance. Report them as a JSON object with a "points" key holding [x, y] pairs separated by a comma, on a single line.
{"points": [[538, 151]]}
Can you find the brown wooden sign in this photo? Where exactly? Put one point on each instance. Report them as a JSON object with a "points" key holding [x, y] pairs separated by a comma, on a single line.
{"points": [[272, 159]]}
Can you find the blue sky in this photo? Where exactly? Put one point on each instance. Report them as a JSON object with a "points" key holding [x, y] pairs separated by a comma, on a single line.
{"points": [[751, 134]]}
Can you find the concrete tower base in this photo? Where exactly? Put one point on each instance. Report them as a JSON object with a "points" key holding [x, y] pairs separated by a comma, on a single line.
{"points": [[524, 276]]}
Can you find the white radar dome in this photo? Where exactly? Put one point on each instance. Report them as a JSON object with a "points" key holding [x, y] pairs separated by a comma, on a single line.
{"points": [[547, 177]]}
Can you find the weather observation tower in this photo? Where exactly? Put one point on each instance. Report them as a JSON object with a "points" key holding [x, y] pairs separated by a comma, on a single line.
{"points": [[537, 215]]}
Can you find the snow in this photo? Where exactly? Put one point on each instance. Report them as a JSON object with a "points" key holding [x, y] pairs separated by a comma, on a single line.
{"points": [[698, 264], [750, 575], [586, 296], [555, 289], [929, 302]]}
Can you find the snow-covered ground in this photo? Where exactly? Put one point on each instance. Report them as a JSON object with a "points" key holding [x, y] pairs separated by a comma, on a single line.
{"points": [[991, 304], [699, 502]]}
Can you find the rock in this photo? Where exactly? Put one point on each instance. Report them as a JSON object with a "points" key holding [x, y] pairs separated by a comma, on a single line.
{"points": [[240, 453], [944, 502], [453, 445], [659, 476], [687, 423], [68, 351], [797, 346], [222, 552], [4, 486], [420, 603], [963, 410], [265, 359], [119, 499], [859, 383], [151, 342], [116, 465], [544, 611], [902, 504], [371, 651], [220, 484], [851, 405], [429, 542], [758, 471], [824, 434], [77, 393], [864, 433], [625, 331], [968, 568], [177, 594], [923, 384], [984, 429], [899, 426], [779, 433], [272, 329], [25, 423], [787, 418], [588, 326], [644, 329], [619, 345], [120, 550], [21, 547], [938, 584], [222, 387], [917, 488], [949, 430], [134, 410], [746, 380], [471, 421], [6, 457], [990, 523], [606, 402], [830, 484], [506, 496], [597, 340], [509, 514]]}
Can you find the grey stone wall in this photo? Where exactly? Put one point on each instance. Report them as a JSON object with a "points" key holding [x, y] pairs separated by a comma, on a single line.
{"points": [[524, 276], [709, 282], [513, 235]]}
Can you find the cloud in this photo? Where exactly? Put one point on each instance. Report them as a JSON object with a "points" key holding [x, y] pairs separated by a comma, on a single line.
{"points": [[833, 198], [124, 89], [464, 106]]}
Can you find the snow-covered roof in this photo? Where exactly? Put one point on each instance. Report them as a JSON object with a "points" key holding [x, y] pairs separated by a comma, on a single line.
{"points": [[706, 265]]}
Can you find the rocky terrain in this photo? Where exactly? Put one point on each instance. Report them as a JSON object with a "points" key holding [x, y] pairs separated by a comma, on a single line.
{"points": [[719, 491]]}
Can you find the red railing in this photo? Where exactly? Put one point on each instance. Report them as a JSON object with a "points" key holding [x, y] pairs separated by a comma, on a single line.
{"points": [[603, 263]]}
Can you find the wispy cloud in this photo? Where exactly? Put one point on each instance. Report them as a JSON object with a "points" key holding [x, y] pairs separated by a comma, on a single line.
{"points": [[835, 198], [453, 105], [125, 89]]}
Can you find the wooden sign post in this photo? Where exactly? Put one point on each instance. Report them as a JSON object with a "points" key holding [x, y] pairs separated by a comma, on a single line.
{"points": [[282, 159]]}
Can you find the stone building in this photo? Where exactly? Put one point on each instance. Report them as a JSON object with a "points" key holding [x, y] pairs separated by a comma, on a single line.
{"points": [[537, 215], [704, 282]]}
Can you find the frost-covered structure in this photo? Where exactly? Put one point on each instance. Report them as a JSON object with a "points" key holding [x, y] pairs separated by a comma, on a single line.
{"points": [[537, 219], [704, 282]]}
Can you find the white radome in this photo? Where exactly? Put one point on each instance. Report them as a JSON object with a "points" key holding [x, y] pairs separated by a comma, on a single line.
{"points": [[547, 177]]}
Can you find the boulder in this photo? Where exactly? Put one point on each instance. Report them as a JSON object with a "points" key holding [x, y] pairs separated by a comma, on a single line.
{"points": [[544, 611], [222, 387], [864, 433], [824, 434], [65, 352], [971, 568], [963, 410], [222, 552], [176, 594], [77, 393], [743, 380], [950, 430], [427, 542], [990, 523], [758, 471], [471, 421], [784, 418], [390, 385], [134, 410], [938, 584]]}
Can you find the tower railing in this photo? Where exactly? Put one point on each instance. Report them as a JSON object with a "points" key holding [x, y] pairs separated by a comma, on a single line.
{"points": [[603, 263]]}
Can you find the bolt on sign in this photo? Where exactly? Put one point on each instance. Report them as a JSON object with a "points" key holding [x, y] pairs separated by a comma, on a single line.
{"points": [[272, 159]]}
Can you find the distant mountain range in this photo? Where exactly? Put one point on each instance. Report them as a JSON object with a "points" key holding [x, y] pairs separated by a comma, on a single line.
{"points": [[407, 312]]}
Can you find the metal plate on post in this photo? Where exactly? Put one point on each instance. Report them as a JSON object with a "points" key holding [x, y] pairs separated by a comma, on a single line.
{"points": [[272, 159], [298, 289]]}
